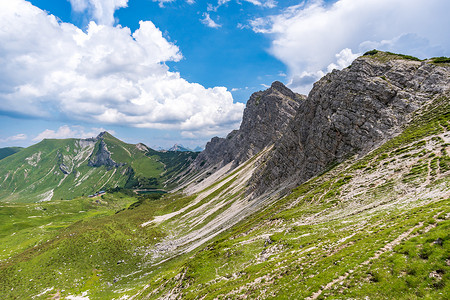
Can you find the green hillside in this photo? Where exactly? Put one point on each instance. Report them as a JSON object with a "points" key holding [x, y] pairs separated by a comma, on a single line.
{"points": [[5, 152], [375, 227], [69, 168]]}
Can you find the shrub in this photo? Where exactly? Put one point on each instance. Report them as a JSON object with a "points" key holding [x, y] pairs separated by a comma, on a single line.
{"points": [[441, 59], [405, 56], [371, 52]]}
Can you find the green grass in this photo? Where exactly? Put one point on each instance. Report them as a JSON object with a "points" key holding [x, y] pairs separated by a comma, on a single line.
{"points": [[290, 249], [5, 152], [386, 56], [79, 251], [440, 60], [58, 170]]}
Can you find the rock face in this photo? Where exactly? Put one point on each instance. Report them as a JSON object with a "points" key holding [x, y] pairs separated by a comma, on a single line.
{"points": [[266, 117], [348, 112], [101, 156]]}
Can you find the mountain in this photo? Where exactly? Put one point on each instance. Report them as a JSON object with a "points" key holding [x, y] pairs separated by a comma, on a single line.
{"points": [[348, 199], [198, 149], [351, 112], [64, 169], [179, 148], [266, 117], [5, 152]]}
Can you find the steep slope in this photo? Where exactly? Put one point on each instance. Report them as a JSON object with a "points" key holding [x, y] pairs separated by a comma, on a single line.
{"points": [[5, 152], [266, 116], [64, 169], [375, 226], [348, 112]]}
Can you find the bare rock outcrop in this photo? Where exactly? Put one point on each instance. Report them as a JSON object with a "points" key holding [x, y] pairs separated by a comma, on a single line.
{"points": [[265, 118], [101, 155], [350, 112]]}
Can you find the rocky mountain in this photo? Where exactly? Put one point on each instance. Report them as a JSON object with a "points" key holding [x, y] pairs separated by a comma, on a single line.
{"points": [[180, 148], [266, 117], [350, 199], [351, 112]]}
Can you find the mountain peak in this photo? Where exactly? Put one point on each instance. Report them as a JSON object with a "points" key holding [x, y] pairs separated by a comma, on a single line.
{"points": [[348, 112], [266, 116], [102, 134], [179, 148], [280, 87]]}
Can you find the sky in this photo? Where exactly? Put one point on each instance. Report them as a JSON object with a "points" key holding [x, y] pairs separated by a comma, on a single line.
{"points": [[162, 72]]}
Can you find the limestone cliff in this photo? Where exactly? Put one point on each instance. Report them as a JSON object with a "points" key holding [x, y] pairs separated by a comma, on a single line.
{"points": [[350, 112], [265, 118]]}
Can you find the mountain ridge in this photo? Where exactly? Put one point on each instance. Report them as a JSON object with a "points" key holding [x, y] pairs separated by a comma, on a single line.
{"points": [[68, 168], [265, 117], [349, 199]]}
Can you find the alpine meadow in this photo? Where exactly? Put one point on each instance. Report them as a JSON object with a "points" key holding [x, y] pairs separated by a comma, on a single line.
{"points": [[332, 181]]}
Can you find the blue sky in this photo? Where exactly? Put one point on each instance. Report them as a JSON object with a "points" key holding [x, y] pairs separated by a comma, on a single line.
{"points": [[163, 72]]}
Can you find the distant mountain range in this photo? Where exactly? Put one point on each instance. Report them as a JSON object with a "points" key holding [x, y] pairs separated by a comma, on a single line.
{"points": [[181, 148]]}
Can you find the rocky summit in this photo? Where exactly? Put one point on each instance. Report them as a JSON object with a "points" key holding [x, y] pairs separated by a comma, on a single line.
{"points": [[266, 117], [351, 112]]}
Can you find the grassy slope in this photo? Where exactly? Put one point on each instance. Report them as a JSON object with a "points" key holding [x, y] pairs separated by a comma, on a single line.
{"points": [[5, 152], [336, 225], [34, 173], [365, 227]]}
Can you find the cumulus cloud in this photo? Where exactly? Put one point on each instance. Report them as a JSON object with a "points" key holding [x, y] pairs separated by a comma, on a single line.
{"points": [[102, 11], [209, 22], [313, 37], [17, 137], [66, 131], [106, 75]]}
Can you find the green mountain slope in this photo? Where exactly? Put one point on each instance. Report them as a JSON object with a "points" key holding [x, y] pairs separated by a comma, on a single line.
{"points": [[365, 224], [64, 169], [375, 226], [5, 152]]}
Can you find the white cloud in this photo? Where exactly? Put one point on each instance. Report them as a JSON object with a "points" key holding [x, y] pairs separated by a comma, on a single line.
{"points": [[309, 36], [66, 131], [105, 75], [102, 11], [343, 59], [162, 2], [267, 3], [209, 22], [17, 137]]}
